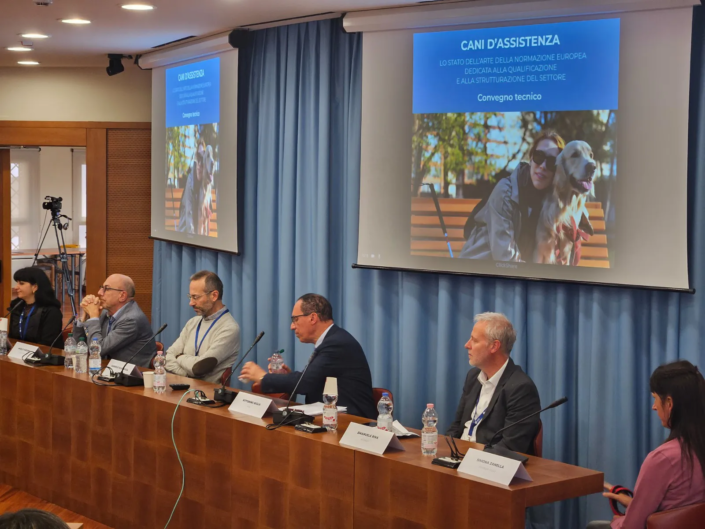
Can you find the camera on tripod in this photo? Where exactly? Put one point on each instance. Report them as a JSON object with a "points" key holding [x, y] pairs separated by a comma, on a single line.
{"points": [[53, 204]]}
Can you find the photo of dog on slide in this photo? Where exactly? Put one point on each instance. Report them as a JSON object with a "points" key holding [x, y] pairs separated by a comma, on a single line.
{"points": [[565, 221]]}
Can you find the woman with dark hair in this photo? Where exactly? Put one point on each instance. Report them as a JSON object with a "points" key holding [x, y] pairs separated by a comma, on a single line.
{"points": [[503, 227], [673, 475], [31, 519], [36, 313]]}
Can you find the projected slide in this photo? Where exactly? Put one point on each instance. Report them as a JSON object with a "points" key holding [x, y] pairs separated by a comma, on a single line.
{"points": [[514, 144], [192, 147]]}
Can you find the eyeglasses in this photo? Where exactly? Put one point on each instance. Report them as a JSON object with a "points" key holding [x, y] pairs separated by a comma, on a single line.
{"points": [[294, 319], [540, 156], [199, 296], [105, 288]]}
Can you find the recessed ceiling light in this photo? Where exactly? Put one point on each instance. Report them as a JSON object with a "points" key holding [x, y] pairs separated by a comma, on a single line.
{"points": [[28, 63], [75, 21], [19, 48], [34, 36], [138, 7]]}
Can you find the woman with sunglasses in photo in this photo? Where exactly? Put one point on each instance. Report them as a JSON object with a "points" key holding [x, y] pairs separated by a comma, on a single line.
{"points": [[36, 313], [503, 227], [673, 475]]}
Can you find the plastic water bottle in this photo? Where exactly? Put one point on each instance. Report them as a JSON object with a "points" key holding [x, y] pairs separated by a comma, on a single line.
{"points": [[159, 373], [385, 407], [276, 362], [429, 432], [80, 359], [330, 412], [69, 351], [3, 336], [94, 357]]}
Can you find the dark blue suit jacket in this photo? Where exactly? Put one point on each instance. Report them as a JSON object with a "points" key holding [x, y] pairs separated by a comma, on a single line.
{"points": [[340, 356]]}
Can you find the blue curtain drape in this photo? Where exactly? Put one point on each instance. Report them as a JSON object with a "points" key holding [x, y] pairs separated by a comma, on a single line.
{"points": [[596, 345]]}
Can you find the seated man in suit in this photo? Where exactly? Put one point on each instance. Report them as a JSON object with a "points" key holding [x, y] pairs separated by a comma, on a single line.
{"points": [[210, 341], [497, 392], [337, 354], [116, 320]]}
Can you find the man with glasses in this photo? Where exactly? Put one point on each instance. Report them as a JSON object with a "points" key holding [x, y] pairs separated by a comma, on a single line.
{"points": [[336, 354], [116, 320], [210, 341]]}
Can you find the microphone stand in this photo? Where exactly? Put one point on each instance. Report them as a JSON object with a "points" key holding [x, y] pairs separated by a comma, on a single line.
{"points": [[128, 380], [505, 452], [222, 394], [48, 359], [287, 417]]}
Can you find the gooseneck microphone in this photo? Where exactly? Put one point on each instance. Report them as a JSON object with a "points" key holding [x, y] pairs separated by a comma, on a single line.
{"points": [[287, 417], [225, 395], [127, 380], [21, 303], [48, 359], [505, 452]]}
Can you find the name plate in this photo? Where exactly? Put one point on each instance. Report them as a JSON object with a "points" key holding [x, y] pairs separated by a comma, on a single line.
{"points": [[369, 439], [117, 365], [492, 467], [252, 405], [22, 350]]}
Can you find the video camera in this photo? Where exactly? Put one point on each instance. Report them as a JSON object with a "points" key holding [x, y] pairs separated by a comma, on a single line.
{"points": [[53, 204]]}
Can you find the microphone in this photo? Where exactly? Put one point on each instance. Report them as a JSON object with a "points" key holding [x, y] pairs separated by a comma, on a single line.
{"points": [[287, 417], [128, 380], [225, 395], [48, 359], [505, 452], [13, 309]]}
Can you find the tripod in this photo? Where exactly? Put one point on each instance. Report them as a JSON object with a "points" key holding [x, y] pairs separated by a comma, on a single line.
{"points": [[63, 256]]}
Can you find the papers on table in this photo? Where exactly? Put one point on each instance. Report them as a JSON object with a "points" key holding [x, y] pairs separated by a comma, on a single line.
{"points": [[400, 431], [314, 409]]}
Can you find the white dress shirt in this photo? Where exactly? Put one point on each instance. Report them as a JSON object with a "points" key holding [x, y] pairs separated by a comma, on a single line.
{"points": [[322, 336], [488, 388]]}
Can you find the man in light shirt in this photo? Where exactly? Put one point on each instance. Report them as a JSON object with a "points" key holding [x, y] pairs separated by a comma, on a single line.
{"points": [[210, 341], [497, 392]]}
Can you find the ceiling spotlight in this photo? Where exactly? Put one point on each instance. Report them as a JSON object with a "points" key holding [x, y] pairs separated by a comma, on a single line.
{"points": [[115, 65], [77, 21], [34, 36], [19, 48], [28, 63], [138, 7]]}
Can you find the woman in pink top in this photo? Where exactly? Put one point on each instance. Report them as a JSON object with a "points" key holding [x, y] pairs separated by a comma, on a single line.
{"points": [[673, 475]]}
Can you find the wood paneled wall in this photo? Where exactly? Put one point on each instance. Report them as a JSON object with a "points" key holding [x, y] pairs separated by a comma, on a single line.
{"points": [[118, 229], [129, 248]]}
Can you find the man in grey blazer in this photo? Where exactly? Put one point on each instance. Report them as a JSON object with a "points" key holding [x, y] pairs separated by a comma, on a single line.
{"points": [[116, 320], [497, 392]]}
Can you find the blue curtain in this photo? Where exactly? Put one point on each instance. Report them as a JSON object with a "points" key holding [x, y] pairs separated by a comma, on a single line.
{"points": [[596, 345]]}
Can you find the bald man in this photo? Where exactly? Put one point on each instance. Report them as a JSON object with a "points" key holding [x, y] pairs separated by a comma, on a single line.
{"points": [[116, 320]]}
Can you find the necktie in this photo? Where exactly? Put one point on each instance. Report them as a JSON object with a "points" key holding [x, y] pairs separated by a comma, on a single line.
{"points": [[111, 320]]}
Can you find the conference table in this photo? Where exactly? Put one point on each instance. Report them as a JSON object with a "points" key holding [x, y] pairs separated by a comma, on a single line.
{"points": [[107, 453]]}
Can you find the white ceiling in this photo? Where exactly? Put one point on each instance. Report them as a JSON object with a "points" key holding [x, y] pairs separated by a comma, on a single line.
{"points": [[115, 30]]}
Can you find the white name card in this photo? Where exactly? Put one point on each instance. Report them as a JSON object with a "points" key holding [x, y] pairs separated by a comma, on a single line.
{"points": [[3, 324], [117, 365], [22, 350], [369, 439], [252, 405], [492, 467]]}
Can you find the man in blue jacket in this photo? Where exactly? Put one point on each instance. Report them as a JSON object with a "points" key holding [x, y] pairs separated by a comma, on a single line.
{"points": [[336, 354]]}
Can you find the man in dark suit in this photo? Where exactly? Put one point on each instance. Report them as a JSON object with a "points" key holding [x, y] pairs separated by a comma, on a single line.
{"points": [[337, 354], [497, 392], [115, 319]]}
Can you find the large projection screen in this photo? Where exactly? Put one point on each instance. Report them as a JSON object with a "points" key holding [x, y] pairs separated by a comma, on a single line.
{"points": [[453, 112], [194, 154]]}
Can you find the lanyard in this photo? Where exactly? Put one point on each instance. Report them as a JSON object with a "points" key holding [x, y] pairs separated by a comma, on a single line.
{"points": [[198, 329], [23, 332], [476, 420]]}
